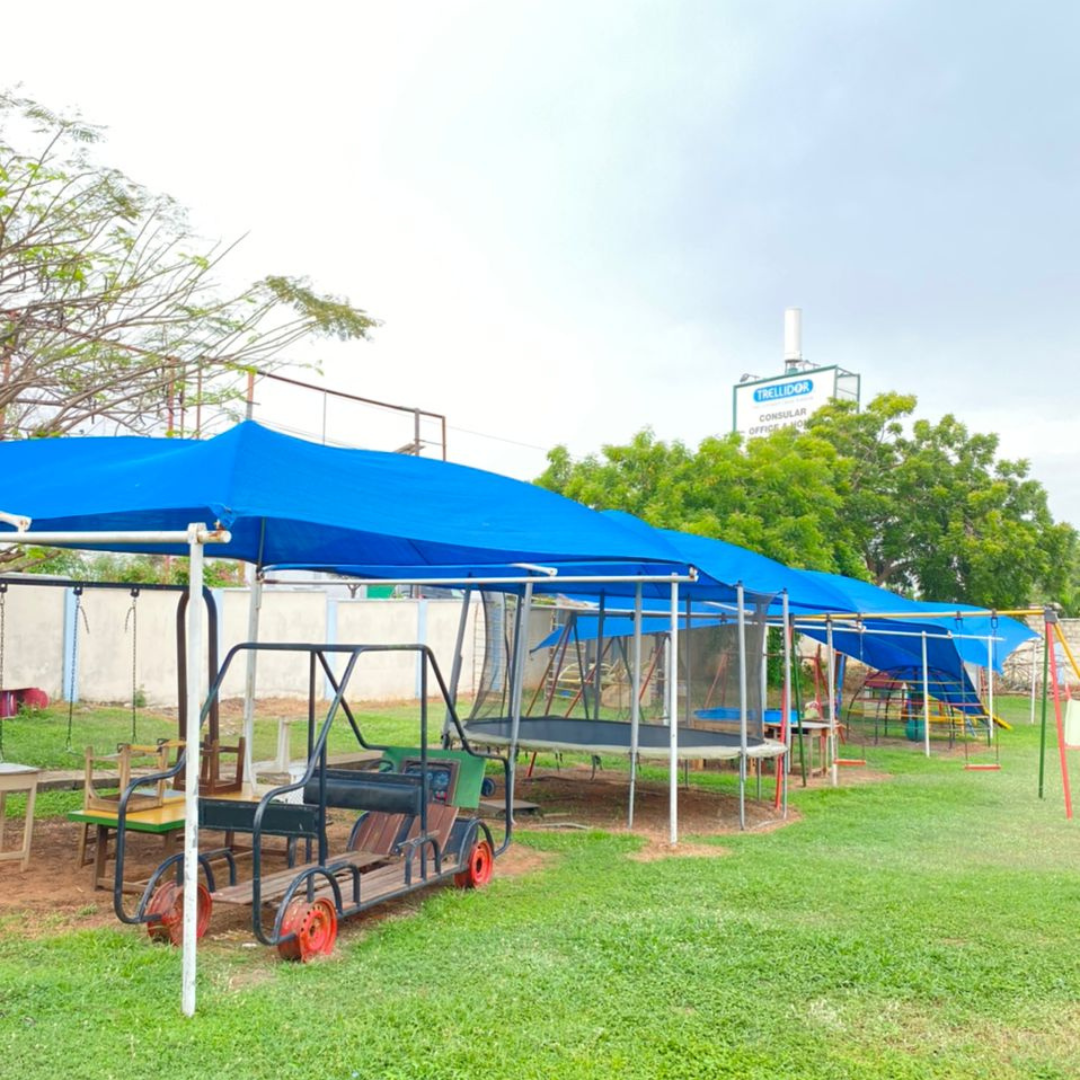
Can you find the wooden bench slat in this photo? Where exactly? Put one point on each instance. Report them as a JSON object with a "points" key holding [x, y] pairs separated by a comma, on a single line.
{"points": [[275, 885]]}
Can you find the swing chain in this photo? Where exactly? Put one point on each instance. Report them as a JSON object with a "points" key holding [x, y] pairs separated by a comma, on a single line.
{"points": [[133, 617], [77, 591]]}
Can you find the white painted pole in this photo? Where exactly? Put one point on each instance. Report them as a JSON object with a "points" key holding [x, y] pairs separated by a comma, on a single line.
{"points": [[521, 648], [97, 539], [673, 717], [926, 695], [990, 690], [834, 769], [635, 704], [459, 657], [598, 682], [191, 776], [254, 608], [740, 596]]}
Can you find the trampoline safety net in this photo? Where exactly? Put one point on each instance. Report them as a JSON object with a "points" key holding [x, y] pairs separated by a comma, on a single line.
{"points": [[580, 664]]}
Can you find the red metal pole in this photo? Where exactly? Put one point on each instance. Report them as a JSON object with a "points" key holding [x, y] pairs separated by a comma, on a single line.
{"points": [[1060, 725]]}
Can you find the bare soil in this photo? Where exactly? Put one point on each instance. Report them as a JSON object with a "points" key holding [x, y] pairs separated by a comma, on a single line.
{"points": [[56, 895], [570, 798]]}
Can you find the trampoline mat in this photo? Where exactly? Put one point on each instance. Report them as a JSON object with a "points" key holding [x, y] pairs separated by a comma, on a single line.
{"points": [[613, 737]]}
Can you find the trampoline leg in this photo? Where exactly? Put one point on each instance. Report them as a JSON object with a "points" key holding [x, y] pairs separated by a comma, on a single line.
{"points": [[742, 791]]}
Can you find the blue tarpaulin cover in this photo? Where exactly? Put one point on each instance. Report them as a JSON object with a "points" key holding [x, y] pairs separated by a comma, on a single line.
{"points": [[286, 500]]}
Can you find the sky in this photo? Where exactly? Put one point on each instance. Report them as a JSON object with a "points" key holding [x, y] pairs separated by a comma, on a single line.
{"points": [[577, 219]]}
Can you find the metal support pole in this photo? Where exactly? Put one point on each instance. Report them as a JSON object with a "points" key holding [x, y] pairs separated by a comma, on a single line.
{"points": [[1034, 672], [925, 696], [990, 691], [521, 648], [459, 646], [673, 717], [740, 596], [254, 609], [598, 667], [834, 769], [1048, 644], [635, 704], [1060, 726], [191, 778]]}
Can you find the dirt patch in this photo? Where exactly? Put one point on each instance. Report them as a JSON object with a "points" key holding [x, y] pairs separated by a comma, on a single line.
{"points": [[56, 895], [660, 849], [850, 776], [570, 798]]}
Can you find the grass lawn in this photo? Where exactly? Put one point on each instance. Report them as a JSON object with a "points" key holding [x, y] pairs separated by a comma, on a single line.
{"points": [[918, 927], [47, 739]]}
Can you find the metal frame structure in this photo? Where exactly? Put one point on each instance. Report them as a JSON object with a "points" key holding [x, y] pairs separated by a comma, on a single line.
{"points": [[213, 635], [547, 576], [341, 880], [195, 537]]}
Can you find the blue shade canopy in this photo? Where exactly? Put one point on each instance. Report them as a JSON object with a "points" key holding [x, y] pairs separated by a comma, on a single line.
{"points": [[286, 501], [896, 645], [970, 627], [759, 575]]}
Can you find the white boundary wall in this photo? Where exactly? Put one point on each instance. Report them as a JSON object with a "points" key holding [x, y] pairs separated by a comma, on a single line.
{"points": [[40, 637]]}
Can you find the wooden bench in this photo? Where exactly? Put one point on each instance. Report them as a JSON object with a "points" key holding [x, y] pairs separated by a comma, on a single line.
{"points": [[274, 886], [165, 821]]}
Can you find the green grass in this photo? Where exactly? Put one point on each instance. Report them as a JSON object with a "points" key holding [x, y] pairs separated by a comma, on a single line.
{"points": [[919, 927], [46, 739]]}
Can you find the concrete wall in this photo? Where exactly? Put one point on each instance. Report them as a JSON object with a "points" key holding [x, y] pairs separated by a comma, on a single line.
{"points": [[1018, 667], [39, 639], [33, 638]]}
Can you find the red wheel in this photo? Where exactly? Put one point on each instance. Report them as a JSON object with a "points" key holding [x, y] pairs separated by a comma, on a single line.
{"points": [[314, 929], [479, 868], [168, 902]]}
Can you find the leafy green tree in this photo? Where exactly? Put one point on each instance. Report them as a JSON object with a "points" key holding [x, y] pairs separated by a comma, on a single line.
{"points": [[110, 311], [934, 511], [919, 507], [136, 569], [764, 496]]}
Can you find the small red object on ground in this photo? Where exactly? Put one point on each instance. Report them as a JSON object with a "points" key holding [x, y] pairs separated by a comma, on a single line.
{"points": [[480, 867], [168, 902], [313, 928]]}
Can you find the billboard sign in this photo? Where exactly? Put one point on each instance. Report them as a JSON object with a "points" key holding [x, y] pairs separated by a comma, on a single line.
{"points": [[762, 406]]}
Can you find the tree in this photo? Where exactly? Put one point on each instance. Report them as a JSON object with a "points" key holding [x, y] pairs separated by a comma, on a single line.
{"points": [[934, 511], [763, 496], [109, 305], [922, 508]]}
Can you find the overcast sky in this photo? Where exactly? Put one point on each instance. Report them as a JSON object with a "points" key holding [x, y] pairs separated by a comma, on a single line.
{"points": [[579, 218]]}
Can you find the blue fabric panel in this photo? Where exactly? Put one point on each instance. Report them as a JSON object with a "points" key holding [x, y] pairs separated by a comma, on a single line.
{"points": [[299, 502]]}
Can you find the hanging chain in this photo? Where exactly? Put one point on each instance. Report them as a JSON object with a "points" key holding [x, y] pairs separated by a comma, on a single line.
{"points": [[133, 618], [75, 661]]}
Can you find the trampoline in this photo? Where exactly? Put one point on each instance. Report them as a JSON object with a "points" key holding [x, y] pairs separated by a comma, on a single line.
{"points": [[613, 737]]}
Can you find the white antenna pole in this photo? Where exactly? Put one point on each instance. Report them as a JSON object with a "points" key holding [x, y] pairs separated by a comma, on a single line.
{"points": [[793, 356]]}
